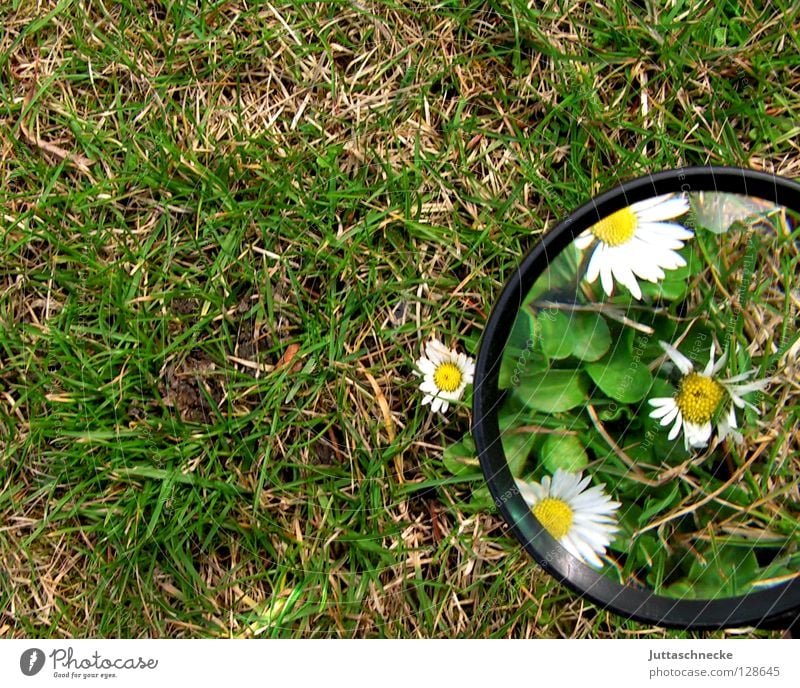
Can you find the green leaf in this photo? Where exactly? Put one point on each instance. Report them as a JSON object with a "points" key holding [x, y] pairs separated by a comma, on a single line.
{"points": [[680, 590], [560, 275], [518, 352], [777, 571], [523, 331], [659, 568], [647, 346], [584, 335], [621, 377], [517, 448], [628, 520], [611, 413], [518, 362], [727, 572], [655, 506], [590, 336], [512, 414], [482, 501], [697, 345], [553, 391], [645, 550], [461, 458], [556, 336], [504, 380], [565, 452]]}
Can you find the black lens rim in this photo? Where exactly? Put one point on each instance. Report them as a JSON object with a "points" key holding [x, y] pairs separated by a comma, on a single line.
{"points": [[763, 608]]}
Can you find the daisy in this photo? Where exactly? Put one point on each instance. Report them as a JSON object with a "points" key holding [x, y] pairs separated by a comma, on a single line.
{"points": [[699, 398], [636, 242], [445, 375], [581, 520]]}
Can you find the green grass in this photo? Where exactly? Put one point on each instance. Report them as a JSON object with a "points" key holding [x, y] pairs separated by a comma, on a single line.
{"points": [[262, 181]]}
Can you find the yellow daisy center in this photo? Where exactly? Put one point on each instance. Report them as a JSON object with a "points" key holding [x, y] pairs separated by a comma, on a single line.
{"points": [[618, 228], [555, 515], [698, 398], [447, 377]]}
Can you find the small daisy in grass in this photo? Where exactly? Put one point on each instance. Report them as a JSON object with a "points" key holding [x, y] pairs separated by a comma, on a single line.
{"points": [[445, 375], [700, 397], [581, 520], [636, 242]]}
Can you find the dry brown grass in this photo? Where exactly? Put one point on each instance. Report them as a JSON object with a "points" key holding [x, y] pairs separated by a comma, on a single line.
{"points": [[463, 133]]}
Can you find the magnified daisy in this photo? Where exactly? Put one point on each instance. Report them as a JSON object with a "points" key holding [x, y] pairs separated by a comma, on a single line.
{"points": [[581, 520], [636, 242], [445, 375], [700, 397]]}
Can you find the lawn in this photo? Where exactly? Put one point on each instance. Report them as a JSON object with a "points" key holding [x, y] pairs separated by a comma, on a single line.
{"points": [[227, 230]]}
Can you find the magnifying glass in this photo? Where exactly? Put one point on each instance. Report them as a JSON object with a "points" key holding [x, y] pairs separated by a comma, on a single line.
{"points": [[637, 400]]}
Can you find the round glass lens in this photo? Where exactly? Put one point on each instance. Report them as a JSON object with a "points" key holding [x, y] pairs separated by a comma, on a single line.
{"points": [[650, 409]]}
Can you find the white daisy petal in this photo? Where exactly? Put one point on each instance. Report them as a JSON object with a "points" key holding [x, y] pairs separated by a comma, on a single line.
{"points": [[597, 538], [727, 426], [752, 407], [426, 366], [697, 433], [710, 365], [664, 244], [668, 230], [665, 407], [605, 519], [567, 544], [671, 414], [624, 275], [661, 401], [531, 492], [584, 240], [606, 279], [720, 364], [731, 419], [669, 260], [586, 502], [640, 206], [587, 550], [727, 423], [641, 265], [650, 273], [565, 489], [683, 363], [595, 263], [433, 352], [744, 376], [674, 412], [755, 386], [676, 429], [661, 208]]}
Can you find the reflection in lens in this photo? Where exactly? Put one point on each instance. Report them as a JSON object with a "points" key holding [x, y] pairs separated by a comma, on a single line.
{"points": [[652, 412]]}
